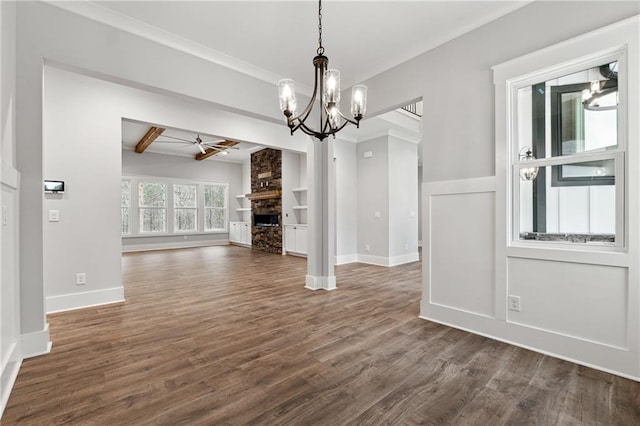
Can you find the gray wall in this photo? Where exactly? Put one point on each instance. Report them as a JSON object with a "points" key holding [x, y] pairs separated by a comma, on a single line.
{"points": [[373, 196], [169, 166], [456, 80]]}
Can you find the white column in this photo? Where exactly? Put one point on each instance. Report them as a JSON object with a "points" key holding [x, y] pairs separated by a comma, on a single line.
{"points": [[321, 215]]}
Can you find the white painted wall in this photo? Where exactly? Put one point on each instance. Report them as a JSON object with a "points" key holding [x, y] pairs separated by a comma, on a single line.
{"points": [[403, 200], [576, 302], [419, 205], [373, 199], [346, 202], [151, 164], [10, 345]]}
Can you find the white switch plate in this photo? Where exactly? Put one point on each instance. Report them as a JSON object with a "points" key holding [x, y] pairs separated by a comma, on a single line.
{"points": [[368, 154], [54, 215], [81, 278], [514, 303], [376, 214], [366, 247]]}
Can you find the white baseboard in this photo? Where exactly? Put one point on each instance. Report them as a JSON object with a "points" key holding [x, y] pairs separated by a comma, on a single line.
{"points": [[346, 258], [170, 246], [388, 261], [11, 363], [320, 283], [402, 259], [67, 302], [235, 243], [35, 343]]}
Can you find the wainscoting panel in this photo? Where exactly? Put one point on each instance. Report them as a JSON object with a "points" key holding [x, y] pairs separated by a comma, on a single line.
{"points": [[584, 301], [458, 222]]}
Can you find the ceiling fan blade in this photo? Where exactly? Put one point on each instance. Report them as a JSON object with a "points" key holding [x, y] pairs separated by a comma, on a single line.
{"points": [[174, 142], [201, 148]]}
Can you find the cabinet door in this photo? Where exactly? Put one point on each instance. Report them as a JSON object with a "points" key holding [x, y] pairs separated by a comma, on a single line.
{"points": [[301, 239], [290, 238], [246, 233], [233, 232]]}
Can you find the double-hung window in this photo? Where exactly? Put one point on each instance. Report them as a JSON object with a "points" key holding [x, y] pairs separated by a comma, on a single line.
{"points": [[152, 207], [185, 208], [215, 207], [125, 206], [567, 155]]}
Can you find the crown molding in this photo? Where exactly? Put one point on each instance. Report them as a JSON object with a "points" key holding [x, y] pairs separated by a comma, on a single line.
{"points": [[136, 27]]}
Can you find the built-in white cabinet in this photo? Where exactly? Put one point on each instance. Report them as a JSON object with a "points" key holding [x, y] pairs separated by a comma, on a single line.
{"points": [[295, 239], [240, 233]]}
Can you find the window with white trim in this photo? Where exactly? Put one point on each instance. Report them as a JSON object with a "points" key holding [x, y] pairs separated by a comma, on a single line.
{"points": [[125, 206], [152, 207], [567, 155], [215, 207], [185, 208], [166, 207]]}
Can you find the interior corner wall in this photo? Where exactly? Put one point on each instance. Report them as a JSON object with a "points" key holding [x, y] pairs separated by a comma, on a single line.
{"points": [[10, 347], [458, 124], [403, 201], [419, 204], [373, 200], [346, 202]]}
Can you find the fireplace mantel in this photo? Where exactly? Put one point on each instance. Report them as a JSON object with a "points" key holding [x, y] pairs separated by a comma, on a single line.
{"points": [[264, 195]]}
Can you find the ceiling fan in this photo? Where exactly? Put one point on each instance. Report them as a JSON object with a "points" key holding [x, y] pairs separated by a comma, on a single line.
{"points": [[197, 141]]}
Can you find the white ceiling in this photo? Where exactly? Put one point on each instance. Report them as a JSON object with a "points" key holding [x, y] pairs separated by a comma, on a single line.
{"points": [[133, 131], [279, 39], [361, 38]]}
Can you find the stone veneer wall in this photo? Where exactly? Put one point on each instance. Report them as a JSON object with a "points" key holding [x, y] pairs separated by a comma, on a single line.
{"points": [[266, 175]]}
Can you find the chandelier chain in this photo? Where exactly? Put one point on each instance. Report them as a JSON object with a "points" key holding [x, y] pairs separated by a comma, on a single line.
{"points": [[320, 50]]}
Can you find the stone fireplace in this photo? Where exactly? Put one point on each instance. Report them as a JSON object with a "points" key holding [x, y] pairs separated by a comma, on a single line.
{"points": [[266, 200]]}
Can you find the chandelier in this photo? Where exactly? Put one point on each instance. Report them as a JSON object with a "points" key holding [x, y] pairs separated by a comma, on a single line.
{"points": [[327, 84]]}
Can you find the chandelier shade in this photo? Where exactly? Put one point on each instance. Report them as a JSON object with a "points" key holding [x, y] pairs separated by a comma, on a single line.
{"points": [[326, 97]]}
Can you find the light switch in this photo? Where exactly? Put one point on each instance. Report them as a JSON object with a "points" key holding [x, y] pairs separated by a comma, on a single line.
{"points": [[54, 215], [376, 214]]}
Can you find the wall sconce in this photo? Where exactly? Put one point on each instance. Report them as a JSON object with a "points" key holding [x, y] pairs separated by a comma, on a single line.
{"points": [[527, 173]]}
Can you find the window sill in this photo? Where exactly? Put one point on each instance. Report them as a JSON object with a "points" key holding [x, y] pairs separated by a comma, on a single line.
{"points": [[166, 234], [605, 239]]}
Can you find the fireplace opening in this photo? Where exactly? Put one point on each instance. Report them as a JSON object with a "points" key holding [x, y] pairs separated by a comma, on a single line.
{"points": [[270, 219]]}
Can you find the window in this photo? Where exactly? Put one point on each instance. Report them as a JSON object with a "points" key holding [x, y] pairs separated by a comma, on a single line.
{"points": [[215, 207], [152, 207], [185, 208], [172, 207], [566, 128], [125, 206]]}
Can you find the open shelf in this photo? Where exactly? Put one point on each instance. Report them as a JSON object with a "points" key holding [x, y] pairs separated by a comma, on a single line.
{"points": [[299, 207], [240, 196], [299, 189], [244, 209]]}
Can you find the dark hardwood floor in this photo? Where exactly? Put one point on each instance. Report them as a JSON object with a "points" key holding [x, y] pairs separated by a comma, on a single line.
{"points": [[226, 335]]}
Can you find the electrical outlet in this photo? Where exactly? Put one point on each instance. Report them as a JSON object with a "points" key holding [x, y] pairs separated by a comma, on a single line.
{"points": [[406, 247], [184, 237], [81, 278], [5, 215], [514, 303], [366, 247]]}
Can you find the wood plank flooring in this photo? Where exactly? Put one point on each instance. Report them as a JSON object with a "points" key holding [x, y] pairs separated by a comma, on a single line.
{"points": [[227, 335]]}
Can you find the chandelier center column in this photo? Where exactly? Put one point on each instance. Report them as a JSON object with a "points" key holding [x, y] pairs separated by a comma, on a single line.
{"points": [[321, 215]]}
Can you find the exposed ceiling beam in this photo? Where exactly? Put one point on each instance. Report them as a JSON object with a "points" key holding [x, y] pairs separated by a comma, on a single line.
{"points": [[147, 139], [213, 151]]}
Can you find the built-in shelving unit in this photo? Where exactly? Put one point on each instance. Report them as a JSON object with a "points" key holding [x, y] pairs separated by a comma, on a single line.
{"points": [[300, 209], [242, 209]]}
